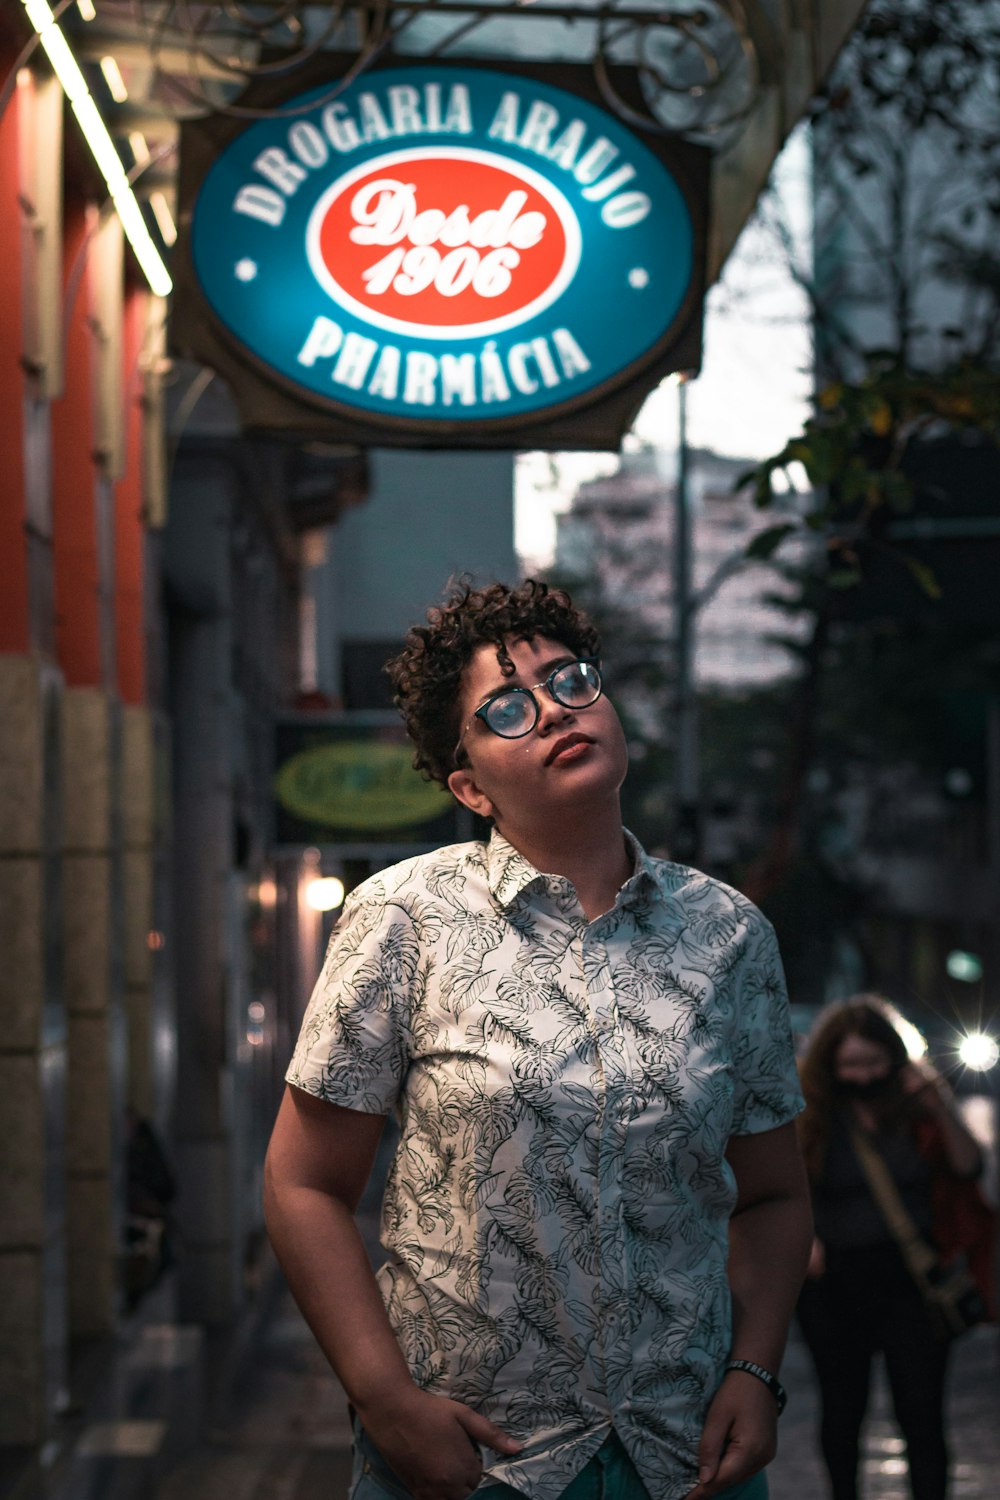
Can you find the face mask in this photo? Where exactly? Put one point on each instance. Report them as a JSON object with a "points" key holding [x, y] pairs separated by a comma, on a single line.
{"points": [[875, 1088]]}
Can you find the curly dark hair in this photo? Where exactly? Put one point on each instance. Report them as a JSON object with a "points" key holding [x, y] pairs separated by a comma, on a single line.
{"points": [[427, 673], [867, 1015]]}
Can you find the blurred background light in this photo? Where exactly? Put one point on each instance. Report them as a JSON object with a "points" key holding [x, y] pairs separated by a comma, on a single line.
{"points": [[163, 216], [913, 1040], [114, 80], [325, 893], [967, 967]]}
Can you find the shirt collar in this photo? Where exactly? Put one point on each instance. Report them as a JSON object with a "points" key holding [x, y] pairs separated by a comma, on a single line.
{"points": [[645, 878], [508, 873]]}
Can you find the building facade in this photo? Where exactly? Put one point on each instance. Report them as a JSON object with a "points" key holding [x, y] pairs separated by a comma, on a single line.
{"points": [[83, 817]]}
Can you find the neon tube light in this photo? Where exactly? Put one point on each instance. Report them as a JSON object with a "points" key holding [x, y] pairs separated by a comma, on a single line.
{"points": [[102, 147]]}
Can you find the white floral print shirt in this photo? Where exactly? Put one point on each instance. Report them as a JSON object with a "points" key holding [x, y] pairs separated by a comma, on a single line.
{"points": [[556, 1214]]}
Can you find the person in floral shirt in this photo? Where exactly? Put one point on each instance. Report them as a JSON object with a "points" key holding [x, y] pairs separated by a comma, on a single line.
{"points": [[596, 1221]]}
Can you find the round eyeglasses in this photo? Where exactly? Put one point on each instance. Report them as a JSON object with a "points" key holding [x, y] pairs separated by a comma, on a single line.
{"points": [[513, 712]]}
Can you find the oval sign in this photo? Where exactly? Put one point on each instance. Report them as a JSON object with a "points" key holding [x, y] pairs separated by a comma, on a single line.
{"points": [[443, 244], [358, 784]]}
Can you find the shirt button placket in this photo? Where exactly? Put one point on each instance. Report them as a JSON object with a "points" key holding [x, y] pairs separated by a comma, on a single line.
{"points": [[611, 1142]]}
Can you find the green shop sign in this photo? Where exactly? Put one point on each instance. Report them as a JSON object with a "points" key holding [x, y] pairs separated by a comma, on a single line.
{"points": [[359, 785], [344, 779]]}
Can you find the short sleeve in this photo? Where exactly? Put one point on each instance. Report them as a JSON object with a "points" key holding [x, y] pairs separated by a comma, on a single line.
{"points": [[766, 1080], [354, 1045]]}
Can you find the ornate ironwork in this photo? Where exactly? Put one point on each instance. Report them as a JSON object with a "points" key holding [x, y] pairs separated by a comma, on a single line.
{"points": [[700, 67]]}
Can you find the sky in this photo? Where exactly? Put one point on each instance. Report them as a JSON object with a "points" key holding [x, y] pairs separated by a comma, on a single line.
{"points": [[753, 390]]}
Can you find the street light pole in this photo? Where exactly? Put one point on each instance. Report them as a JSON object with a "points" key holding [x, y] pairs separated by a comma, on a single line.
{"points": [[993, 952]]}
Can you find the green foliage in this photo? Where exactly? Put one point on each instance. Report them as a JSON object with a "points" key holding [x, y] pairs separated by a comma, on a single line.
{"points": [[906, 135], [766, 543], [899, 653], [857, 450]]}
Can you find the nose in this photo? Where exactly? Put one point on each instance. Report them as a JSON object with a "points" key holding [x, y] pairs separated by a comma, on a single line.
{"points": [[550, 711]]}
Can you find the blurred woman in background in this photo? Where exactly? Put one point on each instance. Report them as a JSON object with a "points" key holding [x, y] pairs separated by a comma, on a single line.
{"points": [[863, 1090]]}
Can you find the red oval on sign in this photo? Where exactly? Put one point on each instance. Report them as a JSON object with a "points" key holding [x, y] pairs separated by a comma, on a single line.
{"points": [[441, 241]]}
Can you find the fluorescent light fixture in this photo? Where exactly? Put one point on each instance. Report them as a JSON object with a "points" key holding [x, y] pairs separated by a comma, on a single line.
{"points": [[163, 217], [74, 85], [114, 80], [101, 144], [140, 150], [86, 9], [66, 67]]}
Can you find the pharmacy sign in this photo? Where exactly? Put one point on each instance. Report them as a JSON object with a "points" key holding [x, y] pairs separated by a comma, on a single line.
{"points": [[448, 246]]}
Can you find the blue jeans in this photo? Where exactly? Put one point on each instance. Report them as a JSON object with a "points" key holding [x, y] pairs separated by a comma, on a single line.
{"points": [[610, 1475]]}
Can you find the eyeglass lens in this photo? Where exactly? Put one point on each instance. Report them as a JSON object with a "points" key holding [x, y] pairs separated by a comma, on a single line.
{"points": [[576, 685]]}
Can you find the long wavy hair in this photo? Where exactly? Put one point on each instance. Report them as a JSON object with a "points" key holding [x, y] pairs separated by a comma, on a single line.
{"points": [[876, 1020]]}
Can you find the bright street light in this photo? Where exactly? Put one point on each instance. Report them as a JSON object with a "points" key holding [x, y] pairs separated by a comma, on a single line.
{"points": [[979, 1051]]}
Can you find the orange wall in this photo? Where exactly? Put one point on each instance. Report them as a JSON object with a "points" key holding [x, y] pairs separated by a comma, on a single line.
{"points": [[128, 515], [14, 626], [77, 485], [74, 517]]}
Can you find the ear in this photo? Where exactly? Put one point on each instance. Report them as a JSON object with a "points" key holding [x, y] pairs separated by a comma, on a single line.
{"points": [[463, 786]]}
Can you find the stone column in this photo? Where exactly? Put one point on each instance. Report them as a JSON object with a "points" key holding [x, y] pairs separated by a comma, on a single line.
{"points": [[198, 566], [96, 1074], [141, 938], [32, 1055]]}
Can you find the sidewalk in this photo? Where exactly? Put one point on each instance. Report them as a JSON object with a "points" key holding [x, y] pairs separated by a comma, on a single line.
{"points": [[974, 1429], [286, 1435], [275, 1427], [282, 1434]]}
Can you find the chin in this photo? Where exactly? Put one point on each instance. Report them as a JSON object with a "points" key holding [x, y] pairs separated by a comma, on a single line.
{"points": [[593, 781]]}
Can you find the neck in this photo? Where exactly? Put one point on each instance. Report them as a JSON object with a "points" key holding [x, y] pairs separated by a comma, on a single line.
{"points": [[587, 847]]}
